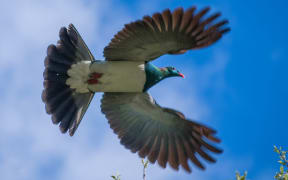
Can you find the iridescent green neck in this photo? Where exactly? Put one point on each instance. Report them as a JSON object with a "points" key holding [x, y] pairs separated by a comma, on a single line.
{"points": [[153, 76]]}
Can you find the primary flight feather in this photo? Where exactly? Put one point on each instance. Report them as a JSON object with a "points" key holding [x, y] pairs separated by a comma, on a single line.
{"points": [[72, 76]]}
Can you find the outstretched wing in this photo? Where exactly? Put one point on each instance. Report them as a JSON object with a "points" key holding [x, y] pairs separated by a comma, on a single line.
{"points": [[166, 32], [161, 134]]}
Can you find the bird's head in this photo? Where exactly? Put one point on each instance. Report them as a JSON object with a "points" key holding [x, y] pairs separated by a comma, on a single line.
{"points": [[171, 71], [155, 74]]}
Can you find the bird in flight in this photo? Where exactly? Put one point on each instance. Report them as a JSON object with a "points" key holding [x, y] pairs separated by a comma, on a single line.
{"points": [[72, 76]]}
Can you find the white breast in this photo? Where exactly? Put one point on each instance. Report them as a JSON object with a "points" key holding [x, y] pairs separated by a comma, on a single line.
{"points": [[119, 76]]}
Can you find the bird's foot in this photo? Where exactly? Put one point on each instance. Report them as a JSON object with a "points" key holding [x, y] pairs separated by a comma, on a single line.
{"points": [[93, 78]]}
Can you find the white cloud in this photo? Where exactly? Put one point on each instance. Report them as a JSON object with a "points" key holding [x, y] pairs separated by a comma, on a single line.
{"points": [[34, 24]]}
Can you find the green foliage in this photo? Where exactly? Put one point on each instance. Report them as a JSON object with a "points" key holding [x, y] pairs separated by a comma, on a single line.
{"points": [[239, 177], [145, 165], [117, 177], [283, 174]]}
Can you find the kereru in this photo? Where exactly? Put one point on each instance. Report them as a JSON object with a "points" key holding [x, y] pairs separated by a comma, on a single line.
{"points": [[72, 76]]}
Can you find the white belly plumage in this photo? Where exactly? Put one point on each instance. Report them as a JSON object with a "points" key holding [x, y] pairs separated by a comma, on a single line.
{"points": [[117, 76]]}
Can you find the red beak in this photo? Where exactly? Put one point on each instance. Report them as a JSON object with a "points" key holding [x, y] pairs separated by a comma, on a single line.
{"points": [[182, 75]]}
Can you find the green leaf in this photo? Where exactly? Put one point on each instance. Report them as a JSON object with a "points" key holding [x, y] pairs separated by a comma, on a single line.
{"points": [[145, 164], [117, 177], [282, 170], [276, 150], [239, 177]]}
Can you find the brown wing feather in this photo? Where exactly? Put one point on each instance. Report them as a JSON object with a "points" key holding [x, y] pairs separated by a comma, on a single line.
{"points": [[167, 18], [194, 24], [163, 153], [182, 154], [177, 18], [153, 154], [187, 17], [165, 33], [172, 153]]}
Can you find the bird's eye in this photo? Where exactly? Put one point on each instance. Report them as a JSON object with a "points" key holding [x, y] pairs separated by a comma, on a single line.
{"points": [[173, 68]]}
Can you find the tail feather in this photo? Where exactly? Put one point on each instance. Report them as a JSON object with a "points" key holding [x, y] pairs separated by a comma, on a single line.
{"points": [[54, 77], [63, 109], [55, 54], [55, 101], [66, 106]]}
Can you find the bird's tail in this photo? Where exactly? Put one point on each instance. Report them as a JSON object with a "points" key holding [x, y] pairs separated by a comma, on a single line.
{"points": [[66, 106]]}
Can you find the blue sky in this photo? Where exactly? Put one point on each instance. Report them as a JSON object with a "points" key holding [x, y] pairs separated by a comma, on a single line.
{"points": [[237, 86]]}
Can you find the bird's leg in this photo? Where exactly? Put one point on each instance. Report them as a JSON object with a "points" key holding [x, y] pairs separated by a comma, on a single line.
{"points": [[93, 78]]}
